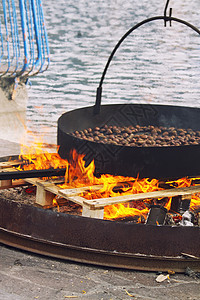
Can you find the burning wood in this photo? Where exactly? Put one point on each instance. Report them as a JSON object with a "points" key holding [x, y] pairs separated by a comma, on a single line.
{"points": [[157, 215], [107, 196]]}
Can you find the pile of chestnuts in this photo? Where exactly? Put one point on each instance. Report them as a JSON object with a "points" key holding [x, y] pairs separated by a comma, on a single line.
{"points": [[140, 136]]}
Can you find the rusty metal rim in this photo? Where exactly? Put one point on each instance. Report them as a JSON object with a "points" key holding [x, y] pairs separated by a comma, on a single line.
{"points": [[98, 242], [97, 257]]}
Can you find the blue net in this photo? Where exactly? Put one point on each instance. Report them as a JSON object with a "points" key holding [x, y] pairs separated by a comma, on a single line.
{"points": [[24, 49]]}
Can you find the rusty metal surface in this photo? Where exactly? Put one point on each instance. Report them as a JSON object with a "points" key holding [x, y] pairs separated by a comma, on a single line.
{"points": [[97, 257], [108, 243]]}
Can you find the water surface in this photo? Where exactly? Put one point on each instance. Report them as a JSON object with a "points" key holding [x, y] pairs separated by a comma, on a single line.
{"points": [[155, 64]]}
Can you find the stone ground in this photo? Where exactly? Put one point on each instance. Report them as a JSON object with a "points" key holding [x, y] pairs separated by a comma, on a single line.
{"points": [[27, 276]]}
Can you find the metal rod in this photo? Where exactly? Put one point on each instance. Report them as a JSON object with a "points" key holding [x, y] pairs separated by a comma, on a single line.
{"points": [[165, 18], [165, 10], [32, 174]]}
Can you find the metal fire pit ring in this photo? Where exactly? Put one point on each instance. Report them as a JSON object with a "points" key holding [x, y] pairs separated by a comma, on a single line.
{"points": [[99, 242]]}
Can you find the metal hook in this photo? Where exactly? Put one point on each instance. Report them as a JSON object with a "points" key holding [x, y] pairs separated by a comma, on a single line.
{"points": [[165, 14]]}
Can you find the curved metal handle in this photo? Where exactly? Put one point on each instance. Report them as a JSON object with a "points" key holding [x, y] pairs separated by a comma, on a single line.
{"points": [[165, 10], [165, 13], [165, 18]]}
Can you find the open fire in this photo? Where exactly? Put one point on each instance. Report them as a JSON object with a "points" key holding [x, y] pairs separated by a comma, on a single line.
{"points": [[78, 175], [85, 198]]}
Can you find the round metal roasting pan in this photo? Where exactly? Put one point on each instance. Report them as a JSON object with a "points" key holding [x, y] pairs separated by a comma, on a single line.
{"points": [[152, 162]]}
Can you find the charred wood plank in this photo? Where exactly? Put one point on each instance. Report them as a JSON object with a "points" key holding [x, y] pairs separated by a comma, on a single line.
{"points": [[16, 174]]}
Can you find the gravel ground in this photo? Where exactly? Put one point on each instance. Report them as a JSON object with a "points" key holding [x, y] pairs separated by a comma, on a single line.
{"points": [[26, 276]]}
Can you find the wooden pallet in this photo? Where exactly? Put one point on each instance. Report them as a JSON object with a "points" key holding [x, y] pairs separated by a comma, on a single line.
{"points": [[8, 166], [46, 190]]}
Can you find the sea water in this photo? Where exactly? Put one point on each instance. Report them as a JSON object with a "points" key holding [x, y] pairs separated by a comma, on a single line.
{"points": [[154, 64]]}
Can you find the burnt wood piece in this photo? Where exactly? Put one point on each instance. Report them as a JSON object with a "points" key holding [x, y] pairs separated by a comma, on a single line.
{"points": [[15, 174], [157, 215]]}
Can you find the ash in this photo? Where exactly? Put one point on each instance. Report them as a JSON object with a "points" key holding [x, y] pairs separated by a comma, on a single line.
{"points": [[27, 195], [24, 195]]}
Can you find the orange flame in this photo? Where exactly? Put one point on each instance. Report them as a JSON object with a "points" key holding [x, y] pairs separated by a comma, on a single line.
{"points": [[55, 203], [36, 159], [78, 175]]}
